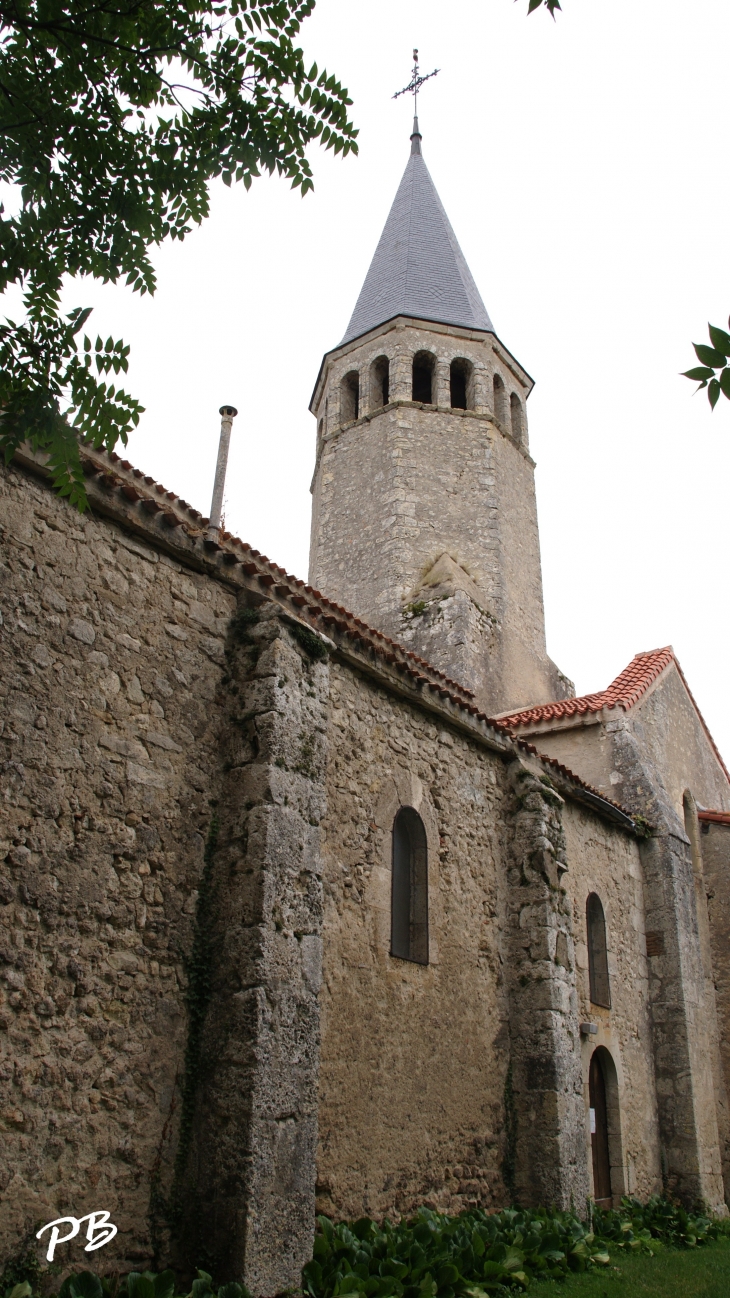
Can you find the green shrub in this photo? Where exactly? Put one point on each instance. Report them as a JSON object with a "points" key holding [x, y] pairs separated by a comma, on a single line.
{"points": [[659, 1219], [433, 1256]]}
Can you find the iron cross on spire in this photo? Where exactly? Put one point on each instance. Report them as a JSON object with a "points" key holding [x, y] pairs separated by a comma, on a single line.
{"points": [[413, 88]]}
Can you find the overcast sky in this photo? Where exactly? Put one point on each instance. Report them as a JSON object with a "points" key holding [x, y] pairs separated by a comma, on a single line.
{"points": [[583, 166]]}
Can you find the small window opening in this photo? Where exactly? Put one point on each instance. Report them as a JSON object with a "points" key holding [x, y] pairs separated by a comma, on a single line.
{"points": [[379, 383], [423, 368], [499, 398], [515, 410], [320, 429], [409, 897], [597, 952], [350, 397], [460, 376]]}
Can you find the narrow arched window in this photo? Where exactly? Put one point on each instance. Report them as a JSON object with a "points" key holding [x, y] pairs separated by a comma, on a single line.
{"points": [[379, 383], [350, 397], [423, 375], [461, 383], [409, 897], [597, 952], [515, 411], [499, 395]]}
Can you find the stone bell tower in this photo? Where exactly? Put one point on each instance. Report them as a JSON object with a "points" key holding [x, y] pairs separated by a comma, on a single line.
{"points": [[424, 520]]}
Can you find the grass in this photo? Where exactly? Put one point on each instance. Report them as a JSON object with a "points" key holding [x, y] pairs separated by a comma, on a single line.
{"points": [[673, 1273]]}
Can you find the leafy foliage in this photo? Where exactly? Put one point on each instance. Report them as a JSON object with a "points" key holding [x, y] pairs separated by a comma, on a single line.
{"points": [[429, 1255], [659, 1219], [550, 5], [433, 1256], [313, 647], [714, 372], [114, 118], [145, 1284]]}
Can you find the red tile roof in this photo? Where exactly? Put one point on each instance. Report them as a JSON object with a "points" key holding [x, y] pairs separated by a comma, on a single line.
{"points": [[629, 686], [624, 692], [715, 817]]}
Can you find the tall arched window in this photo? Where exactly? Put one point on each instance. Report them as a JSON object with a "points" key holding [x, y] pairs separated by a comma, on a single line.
{"points": [[423, 374], [461, 383], [499, 399], [350, 397], [379, 383], [409, 897], [597, 952], [515, 407]]}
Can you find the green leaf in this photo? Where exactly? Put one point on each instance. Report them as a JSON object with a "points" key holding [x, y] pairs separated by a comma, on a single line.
{"points": [[86, 1285], [140, 1286], [709, 356], [164, 1286], [699, 373], [720, 340], [713, 393], [725, 383], [20, 1291]]}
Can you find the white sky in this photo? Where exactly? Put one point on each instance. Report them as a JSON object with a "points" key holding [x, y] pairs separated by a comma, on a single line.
{"points": [[583, 166]]}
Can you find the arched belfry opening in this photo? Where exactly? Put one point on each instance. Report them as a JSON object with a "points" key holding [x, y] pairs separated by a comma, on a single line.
{"points": [[515, 412], [409, 890], [461, 383], [350, 397], [424, 365], [499, 399], [600, 986], [379, 383]]}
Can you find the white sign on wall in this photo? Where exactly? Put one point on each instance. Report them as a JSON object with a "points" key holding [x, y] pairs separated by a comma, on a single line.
{"points": [[99, 1232]]}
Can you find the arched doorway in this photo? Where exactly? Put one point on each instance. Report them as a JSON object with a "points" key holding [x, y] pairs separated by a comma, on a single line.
{"points": [[599, 1133]]}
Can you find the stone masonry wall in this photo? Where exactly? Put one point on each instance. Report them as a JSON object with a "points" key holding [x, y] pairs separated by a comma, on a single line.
{"points": [[395, 491], [609, 864], [414, 1058], [465, 1081], [160, 900], [715, 844], [548, 1111], [111, 659]]}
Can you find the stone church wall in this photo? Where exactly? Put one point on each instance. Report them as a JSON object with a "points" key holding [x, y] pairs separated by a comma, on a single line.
{"points": [[110, 665], [197, 807], [413, 1055], [160, 899], [608, 863], [414, 1058], [715, 846]]}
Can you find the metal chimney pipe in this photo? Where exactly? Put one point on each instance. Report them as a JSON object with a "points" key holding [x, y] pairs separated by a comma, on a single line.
{"points": [[227, 414]]}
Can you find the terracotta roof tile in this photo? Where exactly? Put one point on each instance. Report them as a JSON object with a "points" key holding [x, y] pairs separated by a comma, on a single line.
{"points": [[624, 692], [629, 686], [715, 817]]}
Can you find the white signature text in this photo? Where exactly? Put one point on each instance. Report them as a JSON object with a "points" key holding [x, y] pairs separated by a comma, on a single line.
{"points": [[99, 1232]]}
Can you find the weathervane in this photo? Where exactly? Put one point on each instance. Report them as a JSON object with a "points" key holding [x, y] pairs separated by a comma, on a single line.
{"points": [[415, 83]]}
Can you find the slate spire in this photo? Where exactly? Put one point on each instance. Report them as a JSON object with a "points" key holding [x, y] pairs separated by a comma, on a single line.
{"points": [[418, 268]]}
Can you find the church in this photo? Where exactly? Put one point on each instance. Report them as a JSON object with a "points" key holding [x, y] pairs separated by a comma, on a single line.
{"points": [[331, 896]]}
